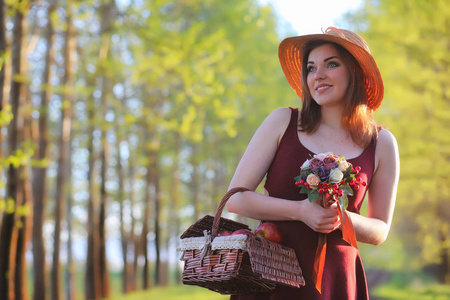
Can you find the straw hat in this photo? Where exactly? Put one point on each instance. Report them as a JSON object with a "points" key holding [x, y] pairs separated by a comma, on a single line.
{"points": [[290, 54]]}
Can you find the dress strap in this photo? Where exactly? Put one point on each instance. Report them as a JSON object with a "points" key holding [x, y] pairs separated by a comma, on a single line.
{"points": [[293, 124]]}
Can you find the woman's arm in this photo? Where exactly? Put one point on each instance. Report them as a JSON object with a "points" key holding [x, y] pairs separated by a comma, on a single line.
{"points": [[374, 228], [253, 167]]}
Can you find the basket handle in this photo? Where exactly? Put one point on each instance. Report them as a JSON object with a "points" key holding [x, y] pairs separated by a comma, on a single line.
{"points": [[231, 192]]}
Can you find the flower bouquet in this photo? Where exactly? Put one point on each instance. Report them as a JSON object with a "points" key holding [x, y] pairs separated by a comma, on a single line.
{"points": [[328, 173], [332, 177]]}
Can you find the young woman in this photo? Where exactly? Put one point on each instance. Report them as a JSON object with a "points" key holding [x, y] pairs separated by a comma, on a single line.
{"points": [[340, 86]]}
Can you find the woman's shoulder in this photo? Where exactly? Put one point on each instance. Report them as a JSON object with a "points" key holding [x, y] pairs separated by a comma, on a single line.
{"points": [[386, 138], [387, 148], [277, 121], [281, 115]]}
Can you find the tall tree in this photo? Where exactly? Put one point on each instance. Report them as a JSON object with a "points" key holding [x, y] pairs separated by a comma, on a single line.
{"points": [[40, 170], [2, 50], [97, 260], [107, 13], [17, 93], [64, 148], [92, 278], [69, 86]]}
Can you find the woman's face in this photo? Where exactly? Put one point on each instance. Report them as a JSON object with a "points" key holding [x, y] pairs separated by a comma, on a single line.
{"points": [[328, 76]]}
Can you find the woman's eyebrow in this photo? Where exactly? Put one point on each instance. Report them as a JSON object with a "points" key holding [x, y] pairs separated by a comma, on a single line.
{"points": [[325, 60], [331, 57]]}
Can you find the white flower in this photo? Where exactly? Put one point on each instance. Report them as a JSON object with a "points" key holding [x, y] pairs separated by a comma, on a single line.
{"points": [[336, 175], [320, 156], [313, 180], [305, 164], [343, 165]]}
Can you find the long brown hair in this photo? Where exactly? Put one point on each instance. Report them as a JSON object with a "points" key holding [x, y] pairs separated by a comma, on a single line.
{"points": [[357, 117]]}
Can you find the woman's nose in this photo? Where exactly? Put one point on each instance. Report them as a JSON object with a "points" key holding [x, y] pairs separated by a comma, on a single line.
{"points": [[319, 74]]}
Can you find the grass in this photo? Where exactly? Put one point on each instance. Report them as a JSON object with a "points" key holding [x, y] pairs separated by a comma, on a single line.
{"points": [[432, 292], [173, 293], [412, 287]]}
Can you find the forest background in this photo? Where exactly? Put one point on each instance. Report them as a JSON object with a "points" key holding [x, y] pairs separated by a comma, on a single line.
{"points": [[123, 121]]}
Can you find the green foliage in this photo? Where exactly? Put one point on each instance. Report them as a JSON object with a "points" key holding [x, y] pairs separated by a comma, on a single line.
{"points": [[412, 286], [9, 207], [410, 42], [5, 116]]}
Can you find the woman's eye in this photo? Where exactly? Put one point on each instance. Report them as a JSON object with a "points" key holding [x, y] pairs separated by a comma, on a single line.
{"points": [[311, 69], [333, 64]]}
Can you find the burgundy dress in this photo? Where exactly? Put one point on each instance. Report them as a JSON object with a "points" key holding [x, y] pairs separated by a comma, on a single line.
{"points": [[343, 276]]}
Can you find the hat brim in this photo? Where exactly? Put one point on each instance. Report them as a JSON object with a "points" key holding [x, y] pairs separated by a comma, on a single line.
{"points": [[290, 55]]}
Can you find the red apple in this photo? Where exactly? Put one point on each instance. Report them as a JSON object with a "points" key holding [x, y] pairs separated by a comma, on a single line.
{"points": [[242, 231], [224, 233], [269, 231]]}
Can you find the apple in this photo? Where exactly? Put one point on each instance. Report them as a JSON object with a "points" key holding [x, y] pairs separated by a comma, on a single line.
{"points": [[224, 233], [269, 231], [242, 231]]}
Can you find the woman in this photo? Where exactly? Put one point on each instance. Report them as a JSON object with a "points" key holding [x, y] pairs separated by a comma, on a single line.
{"points": [[340, 86]]}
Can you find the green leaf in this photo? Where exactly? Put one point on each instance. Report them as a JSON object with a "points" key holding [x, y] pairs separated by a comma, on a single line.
{"points": [[304, 190], [343, 200], [347, 189], [312, 195]]}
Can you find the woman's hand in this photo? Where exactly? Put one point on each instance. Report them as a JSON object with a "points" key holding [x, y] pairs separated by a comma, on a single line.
{"points": [[318, 218]]}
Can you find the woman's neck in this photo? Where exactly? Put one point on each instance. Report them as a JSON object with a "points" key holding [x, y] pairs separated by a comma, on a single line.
{"points": [[331, 117]]}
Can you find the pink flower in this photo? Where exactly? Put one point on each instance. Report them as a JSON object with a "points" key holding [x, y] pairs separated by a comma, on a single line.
{"points": [[315, 163], [330, 162]]}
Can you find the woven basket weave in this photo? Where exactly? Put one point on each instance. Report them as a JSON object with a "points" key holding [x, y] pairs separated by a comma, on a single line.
{"points": [[237, 264]]}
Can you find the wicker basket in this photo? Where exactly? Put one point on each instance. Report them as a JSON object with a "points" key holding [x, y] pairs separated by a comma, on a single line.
{"points": [[236, 264]]}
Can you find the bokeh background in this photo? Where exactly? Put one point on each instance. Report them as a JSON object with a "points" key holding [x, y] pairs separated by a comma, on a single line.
{"points": [[122, 123]]}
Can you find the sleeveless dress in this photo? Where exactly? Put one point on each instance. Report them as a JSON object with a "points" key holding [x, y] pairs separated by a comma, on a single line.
{"points": [[343, 276]]}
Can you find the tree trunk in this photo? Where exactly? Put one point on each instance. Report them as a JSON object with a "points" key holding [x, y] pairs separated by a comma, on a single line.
{"points": [[107, 13], [92, 279], [68, 81], [13, 172], [70, 269], [195, 182], [104, 277], [97, 278], [40, 173], [154, 157], [174, 204], [25, 200], [2, 52], [120, 196], [145, 229], [23, 237], [124, 236], [133, 239], [63, 161], [3, 67]]}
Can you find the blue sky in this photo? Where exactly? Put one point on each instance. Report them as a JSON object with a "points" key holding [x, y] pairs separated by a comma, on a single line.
{"points": [[311, 16]]}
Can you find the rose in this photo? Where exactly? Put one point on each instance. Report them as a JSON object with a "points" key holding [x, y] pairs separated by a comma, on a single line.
{"points": [[336, 175], [304, 173], [315, 163], [313, 180], [343, 165], [322, 173], [330, 162], [320, 156], [305, 164]]}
